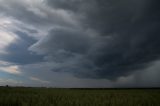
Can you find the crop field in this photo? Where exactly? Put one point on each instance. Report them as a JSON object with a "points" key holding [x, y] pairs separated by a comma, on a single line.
{"points": [[78, 97]]}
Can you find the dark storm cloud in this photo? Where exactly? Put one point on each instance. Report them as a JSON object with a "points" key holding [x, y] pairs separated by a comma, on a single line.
{"points": [[89, 38], [106, 16], [62, 4], [116, 38], [18, 52]]}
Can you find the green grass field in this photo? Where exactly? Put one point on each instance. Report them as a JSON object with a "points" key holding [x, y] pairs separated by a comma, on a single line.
{"points": [[78, 97]]}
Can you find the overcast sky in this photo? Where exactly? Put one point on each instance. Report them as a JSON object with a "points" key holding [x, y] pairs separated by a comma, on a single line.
{"points": [[80, 43]]}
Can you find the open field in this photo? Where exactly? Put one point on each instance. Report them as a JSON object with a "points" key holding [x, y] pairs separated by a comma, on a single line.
{"points": [[78, 97]]}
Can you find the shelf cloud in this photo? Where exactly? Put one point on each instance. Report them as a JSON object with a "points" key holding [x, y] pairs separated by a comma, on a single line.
{"points": [[88, 39]]}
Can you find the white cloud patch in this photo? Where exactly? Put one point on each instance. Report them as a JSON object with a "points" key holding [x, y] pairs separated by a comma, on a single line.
{"points": [[11, 69], [6, 35]]}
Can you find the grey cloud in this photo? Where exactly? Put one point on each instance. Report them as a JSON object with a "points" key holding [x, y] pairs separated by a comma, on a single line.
{"points": [[105, 16], [58, 79], [39, 15], [90, 39], [65, 39], [127, 38], [18, 52], [30, 22], [62, 4], [141, 78]]}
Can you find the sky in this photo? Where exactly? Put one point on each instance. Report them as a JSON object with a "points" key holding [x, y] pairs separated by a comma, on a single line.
{"points": [[80, 43]]}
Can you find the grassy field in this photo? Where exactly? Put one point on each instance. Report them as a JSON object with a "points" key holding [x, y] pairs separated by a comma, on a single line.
{"points": [[78, 97]]}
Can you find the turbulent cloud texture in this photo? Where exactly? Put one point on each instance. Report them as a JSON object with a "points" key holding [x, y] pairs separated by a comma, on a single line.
{"points": [[113, 39], [90, 39]]}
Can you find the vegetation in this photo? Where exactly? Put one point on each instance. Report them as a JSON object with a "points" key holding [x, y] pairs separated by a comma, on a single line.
{"points": [[78, 97]]}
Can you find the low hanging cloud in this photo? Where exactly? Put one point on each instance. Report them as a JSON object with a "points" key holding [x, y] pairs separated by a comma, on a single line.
{"points": [[100, 39], [113, 39]]}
